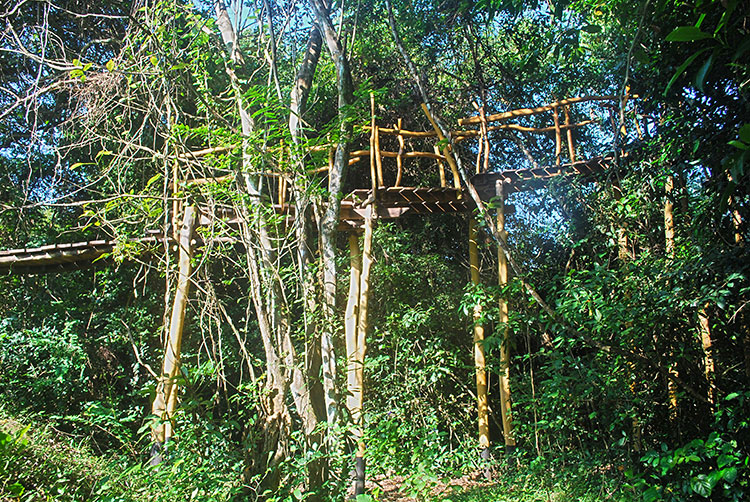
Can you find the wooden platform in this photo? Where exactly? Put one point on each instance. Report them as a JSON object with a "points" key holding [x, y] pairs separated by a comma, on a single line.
{"points": [[392, 202]]}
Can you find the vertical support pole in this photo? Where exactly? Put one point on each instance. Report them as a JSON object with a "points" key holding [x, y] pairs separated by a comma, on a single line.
{"points": [[478, 344], [558, 136], [175, 199], [569, 136], [353, 357], [502, 270], [709, 366], [400, 158], [736, 216], [446, 150], [669, 246], [373, 171], [669, 217], [379, 158], [441, 169], [359, 365], [165, 401], [486, 136], [480, 143]]}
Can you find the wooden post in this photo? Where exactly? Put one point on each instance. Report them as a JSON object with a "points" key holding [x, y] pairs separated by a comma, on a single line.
{"points": [[709, 366], [446, 150], [358, 364], [378, 158], [175, 199], [669, 246], [669, 217], [736, 216], [502, 269], [479, 360], [486, 137], [354, 358], [165, 401], [400, 158], [373, 170], [480, 143], [558, 137], [441, 169], [569, 136]]}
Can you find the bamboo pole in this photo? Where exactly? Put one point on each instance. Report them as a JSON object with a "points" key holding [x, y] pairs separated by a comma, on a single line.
{"points": [[175, 199], [502, 266], [486, 137], [361, 340], [669, 235], [478, 343], [669, 217], [709, 367], [460, 135], [353, 357], [378, 158], [441, 169], [558, 136], [736, 216], [522, 112], [165, 400], [400, 158], [373, 174], [480, 143], [446, 150], [569, 136]]}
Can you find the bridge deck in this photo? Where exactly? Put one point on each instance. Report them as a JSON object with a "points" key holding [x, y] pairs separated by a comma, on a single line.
{"points": [[392, 202]]}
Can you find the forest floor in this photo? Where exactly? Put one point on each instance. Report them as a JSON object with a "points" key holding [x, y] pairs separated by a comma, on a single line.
{"points": [[397, 489]]}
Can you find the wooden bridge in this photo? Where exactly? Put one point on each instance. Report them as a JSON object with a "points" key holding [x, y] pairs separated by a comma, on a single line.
{"points": [[392, 200]]}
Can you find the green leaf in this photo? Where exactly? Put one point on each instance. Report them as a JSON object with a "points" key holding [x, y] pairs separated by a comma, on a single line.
{"points": [[745, 133], [687, 34], [682, 68], [730, 474], [16, 489], [700, 77], [738, 144], [153, 179], [651, 495], [110, 65], [701, 485], [153, 60], [592, 28]]}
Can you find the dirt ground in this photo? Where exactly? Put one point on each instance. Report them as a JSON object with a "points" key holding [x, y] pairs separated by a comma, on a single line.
{"points": [[389, 489]]}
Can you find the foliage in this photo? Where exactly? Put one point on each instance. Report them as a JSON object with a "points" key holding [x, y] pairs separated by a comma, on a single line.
{"points": [[619, 382]]}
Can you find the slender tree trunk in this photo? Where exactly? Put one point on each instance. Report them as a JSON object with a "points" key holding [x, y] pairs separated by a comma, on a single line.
{"points": [[330, 219]]}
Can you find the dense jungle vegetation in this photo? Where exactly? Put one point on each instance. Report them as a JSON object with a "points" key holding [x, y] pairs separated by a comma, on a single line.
{"points": [[628, 338]]}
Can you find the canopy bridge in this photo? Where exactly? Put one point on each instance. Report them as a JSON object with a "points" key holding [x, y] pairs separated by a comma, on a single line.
{"points": [[383, 197]]}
